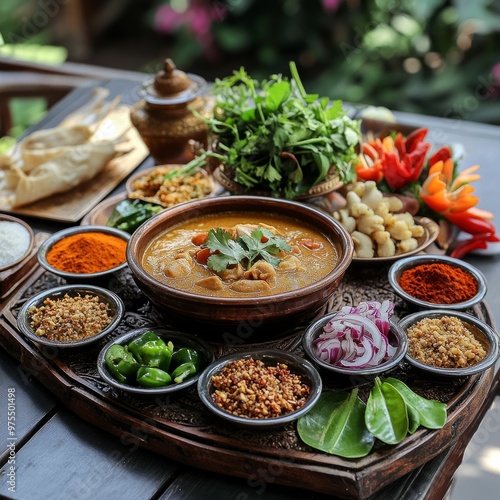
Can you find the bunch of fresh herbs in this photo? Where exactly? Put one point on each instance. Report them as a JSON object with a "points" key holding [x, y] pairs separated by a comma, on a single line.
{"points": [[275, 137]]}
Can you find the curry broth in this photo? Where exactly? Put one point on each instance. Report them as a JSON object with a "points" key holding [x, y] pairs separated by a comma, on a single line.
{"points": [[163, 249]]}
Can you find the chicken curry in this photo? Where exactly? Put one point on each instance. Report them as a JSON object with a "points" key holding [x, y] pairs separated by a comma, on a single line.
{"points": [[239, 255]]}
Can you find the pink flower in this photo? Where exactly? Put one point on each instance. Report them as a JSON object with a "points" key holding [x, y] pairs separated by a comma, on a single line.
{"points": [[197, 18], [167, 19], [331, 5]]}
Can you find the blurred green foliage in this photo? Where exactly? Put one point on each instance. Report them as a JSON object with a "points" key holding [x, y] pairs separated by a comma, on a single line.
{"points": [[436, 57]]}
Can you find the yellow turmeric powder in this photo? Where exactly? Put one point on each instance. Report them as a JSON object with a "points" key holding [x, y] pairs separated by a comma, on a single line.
{"points": [[87, 253]]}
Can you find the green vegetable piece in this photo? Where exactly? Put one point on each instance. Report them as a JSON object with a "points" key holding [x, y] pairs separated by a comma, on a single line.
{"points": [[183, 372], [149, 376], [135, 345], [128, 215], [185, 355], [413, 418], [336, 425], [156, 353], [122, 209], [432, 414], [386, 415], [121, 364]]}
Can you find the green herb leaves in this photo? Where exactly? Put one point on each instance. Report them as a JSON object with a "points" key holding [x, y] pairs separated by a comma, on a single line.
{"points": [[336, 425], [256, 122], [245, 249], [341, 424], [386, 415]]}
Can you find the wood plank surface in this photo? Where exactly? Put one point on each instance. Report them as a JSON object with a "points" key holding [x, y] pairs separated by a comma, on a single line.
{"points": [[33, 403], [85, 463]]}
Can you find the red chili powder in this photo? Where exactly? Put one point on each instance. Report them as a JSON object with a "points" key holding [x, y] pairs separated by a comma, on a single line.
{"points": [[438, 283]]}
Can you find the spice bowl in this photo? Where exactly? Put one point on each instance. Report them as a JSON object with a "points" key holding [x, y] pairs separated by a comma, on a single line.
{"points": [[268, 359], [450, 280], [351, 375], [419, 325], [179, 341], [92, 254], [21, 240], [102, 312]]}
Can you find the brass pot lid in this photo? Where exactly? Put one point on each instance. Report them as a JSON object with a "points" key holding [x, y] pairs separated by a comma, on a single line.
{"points": [[172, 86]]}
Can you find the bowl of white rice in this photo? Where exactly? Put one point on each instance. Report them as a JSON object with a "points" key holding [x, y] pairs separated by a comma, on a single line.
{"points": [[16, 241]]}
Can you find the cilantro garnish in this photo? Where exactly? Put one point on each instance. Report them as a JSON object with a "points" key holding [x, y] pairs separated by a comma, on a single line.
{"points": [[245, 250]]}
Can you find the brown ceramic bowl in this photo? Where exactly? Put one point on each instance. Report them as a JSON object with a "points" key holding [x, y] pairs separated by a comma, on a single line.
{"points": [[246, 315]]}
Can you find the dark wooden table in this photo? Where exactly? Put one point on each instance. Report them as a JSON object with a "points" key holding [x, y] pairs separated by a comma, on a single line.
{"points": [[58, 455]]}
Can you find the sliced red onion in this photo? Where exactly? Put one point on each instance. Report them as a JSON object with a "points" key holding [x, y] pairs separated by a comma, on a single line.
{"points": [[357, 337]]}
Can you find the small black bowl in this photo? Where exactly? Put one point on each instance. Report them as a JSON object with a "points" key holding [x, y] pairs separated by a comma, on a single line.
{"points": [[179, 339], [397, 338], [397, 269], [101, 278], [116, 306], [270, 357], [482, 332]]}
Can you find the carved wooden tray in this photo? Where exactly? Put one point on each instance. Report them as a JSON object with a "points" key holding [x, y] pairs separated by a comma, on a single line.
{"points": [[182, 429]]}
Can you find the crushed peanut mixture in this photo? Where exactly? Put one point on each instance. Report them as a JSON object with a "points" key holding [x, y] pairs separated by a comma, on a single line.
{"points": [[250, 389], [444, 342], [167, 193], [70, 318]]}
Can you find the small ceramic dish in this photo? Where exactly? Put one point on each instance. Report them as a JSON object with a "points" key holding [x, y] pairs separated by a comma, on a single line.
{"points": [[270, 357], [29, 238], [179, 340], [431, 232], [397, 338], [481, 331], [88, 278], [148, 185], [115, 312], [400, 266]]}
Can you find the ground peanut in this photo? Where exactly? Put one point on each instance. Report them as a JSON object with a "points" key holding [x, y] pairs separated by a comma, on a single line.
{"points": [[248, 388], [444, 342]]}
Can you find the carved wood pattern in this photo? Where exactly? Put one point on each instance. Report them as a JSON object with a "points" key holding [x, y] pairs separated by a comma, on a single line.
{"points": [[185, 415]]}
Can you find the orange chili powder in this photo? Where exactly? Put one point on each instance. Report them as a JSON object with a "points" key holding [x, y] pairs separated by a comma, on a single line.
{"points": [[87, 253], [438, 283]]}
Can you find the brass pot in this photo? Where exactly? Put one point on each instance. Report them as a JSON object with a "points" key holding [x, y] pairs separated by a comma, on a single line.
{"points": [[164, 117]]}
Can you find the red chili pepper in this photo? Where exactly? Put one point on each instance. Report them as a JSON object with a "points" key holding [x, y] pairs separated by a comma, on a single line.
{"points": [[400, 144], [416, 159], [467, 246], [368, 150], [395, 172], [442, 154], [415, 138], [469, 224]]}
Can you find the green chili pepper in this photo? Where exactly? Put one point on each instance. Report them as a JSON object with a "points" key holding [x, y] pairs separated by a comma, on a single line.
{"points": [[136, 344], [149, 376], [120, 362], [185, 355], [156, 353], [183, 371]]}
